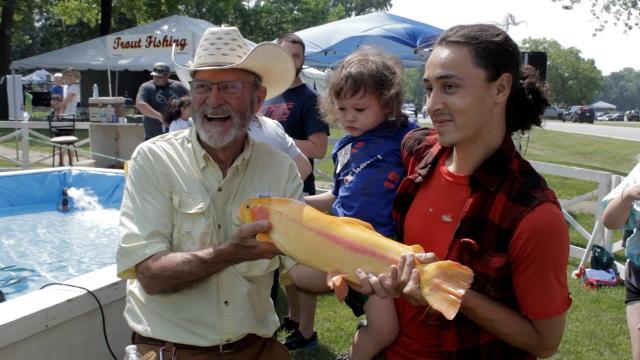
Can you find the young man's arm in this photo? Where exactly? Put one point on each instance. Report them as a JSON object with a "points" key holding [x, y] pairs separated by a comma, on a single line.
{"points": [[315, 146]]}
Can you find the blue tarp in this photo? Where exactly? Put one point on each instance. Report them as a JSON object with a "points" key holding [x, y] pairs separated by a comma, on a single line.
{"points": [[326, 45], [37, 189]]}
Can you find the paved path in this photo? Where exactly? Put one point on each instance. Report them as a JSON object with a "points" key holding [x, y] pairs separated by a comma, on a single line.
{"points": [[615, 132]]}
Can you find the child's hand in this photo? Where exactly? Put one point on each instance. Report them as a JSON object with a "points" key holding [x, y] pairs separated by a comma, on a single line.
{"points": [[632, 193]]}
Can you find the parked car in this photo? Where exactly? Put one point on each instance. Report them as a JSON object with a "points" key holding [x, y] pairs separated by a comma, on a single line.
{"points": [[553, 112], [633, 115], [616, 117], [570, 112], [583, 114]]}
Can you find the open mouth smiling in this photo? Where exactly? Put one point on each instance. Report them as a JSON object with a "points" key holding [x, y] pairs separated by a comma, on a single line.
{"points": [[219, 118]]}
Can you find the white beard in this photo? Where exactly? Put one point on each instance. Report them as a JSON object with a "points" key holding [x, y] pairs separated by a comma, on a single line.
{"points": [[218, 137]]}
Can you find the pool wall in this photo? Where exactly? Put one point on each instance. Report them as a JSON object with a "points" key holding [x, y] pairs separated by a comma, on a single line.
{"points": [[29, 190], [61, 322]]}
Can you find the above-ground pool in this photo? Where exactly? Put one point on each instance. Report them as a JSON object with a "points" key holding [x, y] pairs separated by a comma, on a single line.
{"points": [[40, 244]]}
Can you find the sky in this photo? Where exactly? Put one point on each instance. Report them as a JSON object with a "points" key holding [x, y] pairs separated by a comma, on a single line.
{"points": [[611, 49]]}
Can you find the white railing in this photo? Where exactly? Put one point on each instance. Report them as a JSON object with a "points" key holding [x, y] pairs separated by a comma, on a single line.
{"points": [[599, 235]]}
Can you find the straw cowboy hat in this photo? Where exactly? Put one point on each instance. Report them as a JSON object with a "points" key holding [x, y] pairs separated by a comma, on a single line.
{"points": [[225, 48]]}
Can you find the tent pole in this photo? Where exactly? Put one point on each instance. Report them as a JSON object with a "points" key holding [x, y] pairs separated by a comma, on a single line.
{"points": [[109, 78], [117, 81]]}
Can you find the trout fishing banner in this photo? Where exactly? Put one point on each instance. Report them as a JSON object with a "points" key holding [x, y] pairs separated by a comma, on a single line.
{"points": [[142, 44]]}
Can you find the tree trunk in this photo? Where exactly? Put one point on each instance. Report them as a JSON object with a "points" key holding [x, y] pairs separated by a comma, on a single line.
{"points": [[5, 51], [106, 7]]}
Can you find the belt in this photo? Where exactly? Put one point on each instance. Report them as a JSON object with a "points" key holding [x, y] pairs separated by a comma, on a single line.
{"points": [[237, 345]]}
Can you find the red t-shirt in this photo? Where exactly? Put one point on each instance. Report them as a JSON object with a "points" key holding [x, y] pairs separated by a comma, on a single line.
{"points": [[538, 253]]}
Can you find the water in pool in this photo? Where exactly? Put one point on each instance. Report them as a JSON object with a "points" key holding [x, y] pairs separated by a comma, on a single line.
{"points": [[54, 246]]}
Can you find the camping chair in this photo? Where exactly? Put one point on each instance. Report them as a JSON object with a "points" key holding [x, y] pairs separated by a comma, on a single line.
{"points": [[62, 131]]}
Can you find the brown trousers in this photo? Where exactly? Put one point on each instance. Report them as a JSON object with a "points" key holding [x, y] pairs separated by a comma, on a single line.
{"points": [[260, 348]]}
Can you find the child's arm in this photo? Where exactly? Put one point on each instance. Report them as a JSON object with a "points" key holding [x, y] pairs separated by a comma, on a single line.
{"points": [[322, 202], [617, 211]]}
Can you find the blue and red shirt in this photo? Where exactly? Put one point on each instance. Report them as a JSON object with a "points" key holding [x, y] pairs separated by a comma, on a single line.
{"points": [[367, 172]]}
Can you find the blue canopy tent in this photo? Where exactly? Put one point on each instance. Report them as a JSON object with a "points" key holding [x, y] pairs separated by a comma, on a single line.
{"points": [[328, 44]]}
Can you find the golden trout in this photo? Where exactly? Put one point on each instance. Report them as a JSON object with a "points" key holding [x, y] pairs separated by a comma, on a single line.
{"points": [[340, 245]]}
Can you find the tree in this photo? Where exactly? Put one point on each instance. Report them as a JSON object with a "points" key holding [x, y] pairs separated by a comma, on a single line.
{"points": [[622, 88], [571, 79], [623, 12], [414, 87], [31, 27]]}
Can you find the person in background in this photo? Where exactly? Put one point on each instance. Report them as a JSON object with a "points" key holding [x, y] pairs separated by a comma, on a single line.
{"points": [[71, 93], [198, 281], [470, 197], [154, 97], [365, 98], [57, 93], [297, 110], [178, 115], [623, 211], [271, 133]]}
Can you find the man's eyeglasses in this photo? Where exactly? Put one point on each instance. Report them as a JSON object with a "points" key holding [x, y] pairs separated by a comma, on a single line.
{"points": [[225, 88]]}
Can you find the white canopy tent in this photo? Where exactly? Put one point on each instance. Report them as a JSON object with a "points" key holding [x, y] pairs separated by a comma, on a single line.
{"points": [[94, 54], [134, 49], [602, 106]]}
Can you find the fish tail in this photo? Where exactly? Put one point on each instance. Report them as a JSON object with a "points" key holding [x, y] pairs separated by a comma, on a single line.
{"points": [[443, 284]]}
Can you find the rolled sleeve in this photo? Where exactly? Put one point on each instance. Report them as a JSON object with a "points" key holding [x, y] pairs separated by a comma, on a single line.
{"points": [[145, 218]]}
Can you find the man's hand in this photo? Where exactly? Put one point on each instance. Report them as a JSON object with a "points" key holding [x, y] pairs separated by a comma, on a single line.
{"points": [[243, 246], [403, 279]]}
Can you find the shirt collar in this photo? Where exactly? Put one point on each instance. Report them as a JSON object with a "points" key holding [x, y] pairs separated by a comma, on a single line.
{"points": [[202, 158]]}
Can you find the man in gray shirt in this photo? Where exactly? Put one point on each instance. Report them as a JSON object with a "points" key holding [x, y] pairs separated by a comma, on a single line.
{"points": [[154, 97]]}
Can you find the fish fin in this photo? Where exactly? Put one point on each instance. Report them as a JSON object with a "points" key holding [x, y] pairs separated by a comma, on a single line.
{"points": [[416, 248], [443, 284], [339, 286], [264, 237], [356, 222]]}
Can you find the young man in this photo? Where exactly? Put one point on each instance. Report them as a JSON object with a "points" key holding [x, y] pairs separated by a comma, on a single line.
{"points": [[297, 110], [199, 282], [470, 197], [154, 97]]}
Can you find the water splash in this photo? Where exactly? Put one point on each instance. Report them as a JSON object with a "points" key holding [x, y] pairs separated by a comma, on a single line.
{"points": [[83, 199]]}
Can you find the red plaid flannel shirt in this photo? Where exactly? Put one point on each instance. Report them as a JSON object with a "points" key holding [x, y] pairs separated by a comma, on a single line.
{"points": [[503, 190]]}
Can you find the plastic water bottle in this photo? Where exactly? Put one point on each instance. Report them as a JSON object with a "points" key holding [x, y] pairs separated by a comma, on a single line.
{"points": [[131, 353], [96, 93]]}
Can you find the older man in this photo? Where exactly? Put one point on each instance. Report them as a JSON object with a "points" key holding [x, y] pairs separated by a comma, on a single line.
{"points": [[199, 282], [154, 96]]}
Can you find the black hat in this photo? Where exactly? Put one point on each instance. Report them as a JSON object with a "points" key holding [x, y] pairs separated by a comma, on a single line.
{"points": [[161, 69]]}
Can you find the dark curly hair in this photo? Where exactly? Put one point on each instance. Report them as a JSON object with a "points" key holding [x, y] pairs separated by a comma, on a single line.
{"points": [[369, 70], [496, 53], [174, 110]]}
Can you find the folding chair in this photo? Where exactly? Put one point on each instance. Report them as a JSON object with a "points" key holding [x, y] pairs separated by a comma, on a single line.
{"points": [[62, 130]]}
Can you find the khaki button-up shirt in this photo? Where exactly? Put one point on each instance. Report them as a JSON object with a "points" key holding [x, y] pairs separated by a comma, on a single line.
{"points": [[177, 199]]}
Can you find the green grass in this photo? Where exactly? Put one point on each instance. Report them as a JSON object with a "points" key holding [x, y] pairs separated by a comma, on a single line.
{"points": [[619, 123], [596, 326], [37, 145], [590, 152], [596, 323]]}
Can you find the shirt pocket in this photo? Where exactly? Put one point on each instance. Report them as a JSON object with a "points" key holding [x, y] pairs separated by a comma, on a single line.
{"points": [[192, 222]]}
